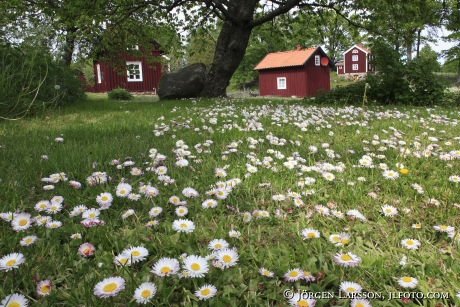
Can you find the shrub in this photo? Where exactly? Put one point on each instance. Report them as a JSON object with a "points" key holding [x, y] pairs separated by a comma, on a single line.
{"points": [[120, 94], [349, 94], [30, 80]]}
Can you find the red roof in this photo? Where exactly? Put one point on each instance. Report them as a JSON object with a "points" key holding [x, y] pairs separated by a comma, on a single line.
{"points": [[289, 58]]}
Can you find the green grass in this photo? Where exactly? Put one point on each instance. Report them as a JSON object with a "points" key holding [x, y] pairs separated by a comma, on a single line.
{"points": [[98, 131]]}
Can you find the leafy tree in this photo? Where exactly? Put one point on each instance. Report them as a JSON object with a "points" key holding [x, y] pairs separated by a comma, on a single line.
{"points": [[451, 19]]}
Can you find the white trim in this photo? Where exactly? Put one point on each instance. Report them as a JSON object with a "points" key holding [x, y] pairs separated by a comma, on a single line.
{"points": [[355, 46], [281, 83], [354, 67], [317, 60], [137, 75], [98, 73]]}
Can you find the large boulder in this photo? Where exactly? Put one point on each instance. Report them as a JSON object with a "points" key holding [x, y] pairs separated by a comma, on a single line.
{"points": [[187, 82]]}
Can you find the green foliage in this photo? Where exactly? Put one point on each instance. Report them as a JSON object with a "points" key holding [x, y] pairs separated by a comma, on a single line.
{"points": [[351, 94], [31, 80], [120, 94]]}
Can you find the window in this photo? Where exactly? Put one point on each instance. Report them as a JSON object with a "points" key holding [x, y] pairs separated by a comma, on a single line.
{"points": [[354, 58], [134, 71], [99, 74], [355, 51], [281, 83], [354, 67], [317, 60]]}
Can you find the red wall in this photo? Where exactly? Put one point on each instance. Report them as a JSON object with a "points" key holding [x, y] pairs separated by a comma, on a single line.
{"points": [[362, 63], [301, 81], [112, 78]]}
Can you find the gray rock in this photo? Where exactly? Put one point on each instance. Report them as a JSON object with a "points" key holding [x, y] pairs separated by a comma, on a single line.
{"points": [[187, 82]]}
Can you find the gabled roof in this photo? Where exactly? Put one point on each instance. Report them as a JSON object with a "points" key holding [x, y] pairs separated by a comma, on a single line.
{"points": [[361, 47], [289, 58]]}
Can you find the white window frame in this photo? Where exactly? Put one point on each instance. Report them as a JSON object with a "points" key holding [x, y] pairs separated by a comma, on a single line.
{"points": [[355, 51], [135, 77], [98, 73], [317, 60], [355, 67], [354, 58], [281, 83]]}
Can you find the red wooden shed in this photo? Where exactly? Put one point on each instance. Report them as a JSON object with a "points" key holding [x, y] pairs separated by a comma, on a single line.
{"points": [[358, 60], [300, 73], [135, 71]]}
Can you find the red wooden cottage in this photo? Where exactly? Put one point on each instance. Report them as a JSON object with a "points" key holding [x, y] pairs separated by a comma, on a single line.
{"points": [[300, 73], [358, 60], [135, 71], [339, 66]]}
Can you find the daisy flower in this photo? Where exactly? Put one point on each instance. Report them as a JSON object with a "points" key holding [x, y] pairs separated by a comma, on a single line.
{"points": [[15, 300], [411, 243], [220, 172], [266, 272], [339, 239], [390, 174], [247, 217], [151, 192], [360, 302], [122, 260], [86, 249], [347, 259], [356, 214], [454, 178], [310, 233], [104, 199], [155, 211], [44, 288], [75, 236], [127, 213], [298, 299], [322, 210], [123, 189], [225, 258], [349, 287], [174, 200], [218, 244], [109, 287], [183, 225], [145, 292], [42, 205], [234, 234], [91, 214], [308, 277], [190, 192], [166, 267], [28, 240], [7, 216], [11, 261], [417, 225], [195, 266], [209, 203], [181, 211], [21, 221], [444, 228], [389, 211], [206, 292], [53, 224], [137, 254], [294, 275], [408, 282]]}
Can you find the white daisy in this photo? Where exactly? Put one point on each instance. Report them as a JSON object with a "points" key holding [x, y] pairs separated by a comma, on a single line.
{"points": [[411, 243], [347, 259], [123, 189], [294, 275], [155, 211], [218, 244], [136, 254], [109, 287], [15, 300], [145, 292], [21, 221], [28, 240], [349, 287], [225, 258], [389, 211], [206, 292], [44, 288], [183, 225], [181, 211], [310, 233], [104, 199], [11, 261], [166, 267], [195, 266], [209, 203], [360, 302], [408, 282]]}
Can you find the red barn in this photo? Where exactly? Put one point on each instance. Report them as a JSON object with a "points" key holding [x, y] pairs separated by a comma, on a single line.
{"points": [[358, 60], [300, 73], [134, 72]]}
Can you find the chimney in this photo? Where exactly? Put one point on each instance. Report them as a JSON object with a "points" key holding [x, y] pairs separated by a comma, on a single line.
{"points": [[299, 47]]}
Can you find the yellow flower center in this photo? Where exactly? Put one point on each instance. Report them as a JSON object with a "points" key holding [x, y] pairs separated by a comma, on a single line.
{"points": [[165, 270], [110, 287], [350, 289], [123, 261], [183, 225], [404, 171], [218, 245], [336, 239], [410, 242], [294, 274], [303, 303], [92, 215], [45, 289], [227, 258], [360, 305], [195, 266], [14, 304], [146, 293], [443, 227], [345, 241], [206, 292], [388, 210], [136, 253], [311, 235], [23, 222], [104, 198], [11, 262], [407, 279], [346, 257], [28, 240]]}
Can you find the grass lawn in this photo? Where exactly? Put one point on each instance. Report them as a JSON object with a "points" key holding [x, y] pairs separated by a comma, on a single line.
{"points": [[269, 202]]}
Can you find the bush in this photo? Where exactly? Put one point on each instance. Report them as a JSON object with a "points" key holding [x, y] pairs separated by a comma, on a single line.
{"points": [[30, 80], [120, 94], [348, 95]]}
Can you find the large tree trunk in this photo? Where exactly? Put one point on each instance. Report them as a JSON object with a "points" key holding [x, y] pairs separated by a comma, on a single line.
{"points": [[230, 48], [69, 46]]}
